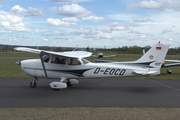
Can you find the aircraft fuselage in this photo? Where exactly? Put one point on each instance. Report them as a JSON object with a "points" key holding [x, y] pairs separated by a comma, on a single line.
{"points": [[33, 67]]}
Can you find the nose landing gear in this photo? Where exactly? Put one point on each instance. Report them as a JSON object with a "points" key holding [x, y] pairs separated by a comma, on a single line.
{"points": [[33, 83]]}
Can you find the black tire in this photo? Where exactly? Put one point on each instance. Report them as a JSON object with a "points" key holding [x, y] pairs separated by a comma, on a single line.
{"points": [[33, 84], [55, 89], [169, 71], [69, 84]]}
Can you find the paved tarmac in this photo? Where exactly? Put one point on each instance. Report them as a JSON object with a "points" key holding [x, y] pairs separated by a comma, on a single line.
{"points": [[16, 93]]}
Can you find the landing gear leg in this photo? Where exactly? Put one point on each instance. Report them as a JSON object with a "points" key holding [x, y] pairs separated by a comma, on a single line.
{"points": [[68, 83], [168, 70], [33, 83]]}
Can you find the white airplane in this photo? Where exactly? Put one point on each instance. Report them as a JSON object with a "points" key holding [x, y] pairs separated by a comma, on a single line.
{"points": [[70, 66]]}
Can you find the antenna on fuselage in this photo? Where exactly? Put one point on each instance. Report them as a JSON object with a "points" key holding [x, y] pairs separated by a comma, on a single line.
{"points": [[75, 48]]}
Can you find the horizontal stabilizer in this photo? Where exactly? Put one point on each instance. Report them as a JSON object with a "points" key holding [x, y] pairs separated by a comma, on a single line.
{"points": [[172, 65], [172, 60]]}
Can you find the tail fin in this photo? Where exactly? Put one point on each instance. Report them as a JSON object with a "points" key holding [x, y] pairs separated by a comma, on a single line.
{"points": [[155, 56]]}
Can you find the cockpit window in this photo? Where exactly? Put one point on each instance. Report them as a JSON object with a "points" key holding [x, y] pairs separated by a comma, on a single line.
{"points": [[45, 58], [72, 61], [85, 61]]}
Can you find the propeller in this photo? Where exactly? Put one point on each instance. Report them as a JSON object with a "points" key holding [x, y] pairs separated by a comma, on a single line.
{"points": [[18, 63]]}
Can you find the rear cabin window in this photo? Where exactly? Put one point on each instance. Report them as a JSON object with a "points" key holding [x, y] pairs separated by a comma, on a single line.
{"points": [[58, 60], [73, 62]]}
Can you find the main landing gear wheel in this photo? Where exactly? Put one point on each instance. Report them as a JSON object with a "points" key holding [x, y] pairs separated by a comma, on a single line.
{"points": [[55, 89], [169, 71]]}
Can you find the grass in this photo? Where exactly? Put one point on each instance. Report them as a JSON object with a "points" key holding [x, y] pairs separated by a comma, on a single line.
{"points": [[8, 68]]}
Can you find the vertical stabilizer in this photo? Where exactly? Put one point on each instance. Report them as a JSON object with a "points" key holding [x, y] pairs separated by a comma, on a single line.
{"points": [[155, 55]]}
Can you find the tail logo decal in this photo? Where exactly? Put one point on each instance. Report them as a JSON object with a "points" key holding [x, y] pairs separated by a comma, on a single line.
{"points": [[151, 57]]}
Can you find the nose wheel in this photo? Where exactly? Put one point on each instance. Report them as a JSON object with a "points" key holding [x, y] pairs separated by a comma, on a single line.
{"points": [[33, 83]]}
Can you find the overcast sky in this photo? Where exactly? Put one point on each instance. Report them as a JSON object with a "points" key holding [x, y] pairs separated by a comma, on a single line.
{"points": [[93, 23]]}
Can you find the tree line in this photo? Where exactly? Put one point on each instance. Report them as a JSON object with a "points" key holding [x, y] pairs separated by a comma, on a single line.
{"points": [[139, 50]]}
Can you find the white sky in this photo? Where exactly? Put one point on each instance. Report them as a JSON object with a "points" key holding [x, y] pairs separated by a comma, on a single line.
{"points": [[93, 23]]}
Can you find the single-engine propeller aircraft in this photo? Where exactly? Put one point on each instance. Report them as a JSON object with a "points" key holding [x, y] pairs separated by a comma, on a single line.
{"points": [[70, 66]]}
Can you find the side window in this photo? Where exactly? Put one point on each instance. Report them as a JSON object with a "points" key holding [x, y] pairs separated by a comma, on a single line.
{"points": [[58, 60], [45, 58], [73, 62], [63, 61]]}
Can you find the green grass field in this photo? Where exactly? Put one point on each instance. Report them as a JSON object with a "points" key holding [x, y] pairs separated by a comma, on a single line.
{"points": [[10, 70]]}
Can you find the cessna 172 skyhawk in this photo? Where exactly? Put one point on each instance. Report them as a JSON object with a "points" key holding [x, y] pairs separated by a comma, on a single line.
{"points": [[68, 66]]}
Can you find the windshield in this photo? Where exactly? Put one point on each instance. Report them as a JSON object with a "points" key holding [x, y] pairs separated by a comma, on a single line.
{"points": [[45, 58], [85, 61]]}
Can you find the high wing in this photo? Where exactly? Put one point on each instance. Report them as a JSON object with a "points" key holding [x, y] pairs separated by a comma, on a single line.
{"points": [[70, 54]]}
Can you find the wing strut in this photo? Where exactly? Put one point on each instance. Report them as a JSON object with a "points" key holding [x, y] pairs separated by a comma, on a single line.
{"points": [[41, 54]]}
